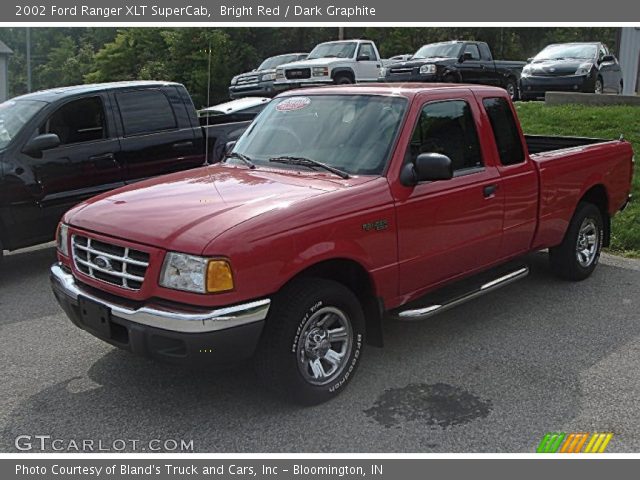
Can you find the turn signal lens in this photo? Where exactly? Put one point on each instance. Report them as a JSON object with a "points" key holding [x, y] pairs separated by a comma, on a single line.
{"points": [[219, 276]]}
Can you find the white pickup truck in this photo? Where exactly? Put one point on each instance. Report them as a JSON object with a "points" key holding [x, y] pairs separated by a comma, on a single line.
{"points": [[340, 62]]}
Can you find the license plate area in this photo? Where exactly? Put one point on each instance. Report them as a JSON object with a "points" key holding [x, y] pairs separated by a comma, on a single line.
{"points": [[95, 316]]}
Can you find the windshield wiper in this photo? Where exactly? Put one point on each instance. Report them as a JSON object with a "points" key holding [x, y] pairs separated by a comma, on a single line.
{"points": [[308, 162], [246, 160]]}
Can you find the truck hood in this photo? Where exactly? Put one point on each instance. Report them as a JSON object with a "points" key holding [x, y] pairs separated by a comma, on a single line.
{"points": [[186, 210], [418, 62], [315, 62]]}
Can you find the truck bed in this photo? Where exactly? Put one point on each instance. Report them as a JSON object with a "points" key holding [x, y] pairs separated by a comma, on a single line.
{"points": [[542, 143]]}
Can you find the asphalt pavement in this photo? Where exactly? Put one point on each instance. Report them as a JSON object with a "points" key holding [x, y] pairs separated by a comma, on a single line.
{"points": [[493, 375]]}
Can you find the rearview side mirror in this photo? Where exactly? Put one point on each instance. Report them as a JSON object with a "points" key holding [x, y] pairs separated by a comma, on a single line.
{"points": [[530, 59], [40, 143], [428, 167], [465, 56], [363, 58], [229, 147], [608, 58]]}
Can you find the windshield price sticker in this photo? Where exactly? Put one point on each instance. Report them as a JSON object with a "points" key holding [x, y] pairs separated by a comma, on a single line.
{"points": [[293, 103]]}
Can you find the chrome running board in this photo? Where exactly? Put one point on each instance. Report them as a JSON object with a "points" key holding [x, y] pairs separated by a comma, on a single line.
{"points": [[486, 287]]}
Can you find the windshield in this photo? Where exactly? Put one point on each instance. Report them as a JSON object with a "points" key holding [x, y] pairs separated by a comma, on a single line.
{"points": [[333, 49], [273, 62], [560, 52], [352, 133], [446, 50], [14, 114]]}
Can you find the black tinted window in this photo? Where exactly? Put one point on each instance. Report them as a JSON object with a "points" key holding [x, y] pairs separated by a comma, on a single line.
{"points": [[505, 130], [77, 121], [472, 49], [145, 111], [447, 128]]}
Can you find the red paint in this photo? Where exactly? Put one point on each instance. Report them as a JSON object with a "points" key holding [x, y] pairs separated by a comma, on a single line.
{"points": [[273, 224]]}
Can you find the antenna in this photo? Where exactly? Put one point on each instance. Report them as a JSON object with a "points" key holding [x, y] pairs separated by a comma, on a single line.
{"points": [[206, 128]]}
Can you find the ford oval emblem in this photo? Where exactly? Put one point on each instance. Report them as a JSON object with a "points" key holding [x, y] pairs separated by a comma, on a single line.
{"points": [[103, 262]]}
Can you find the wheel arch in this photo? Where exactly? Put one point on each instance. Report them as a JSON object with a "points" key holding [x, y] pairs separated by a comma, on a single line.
{"points": [[356, 278], [343, 71]]}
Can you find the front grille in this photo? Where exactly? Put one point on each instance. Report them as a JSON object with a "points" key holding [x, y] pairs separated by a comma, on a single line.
{"points": [[401, 71], [113, 264], [295, 73], [249, 79]]}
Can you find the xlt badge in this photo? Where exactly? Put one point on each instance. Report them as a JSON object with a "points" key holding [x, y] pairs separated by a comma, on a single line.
{"points": [[377, 225]]}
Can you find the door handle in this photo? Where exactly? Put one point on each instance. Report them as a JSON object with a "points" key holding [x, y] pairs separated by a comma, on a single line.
{"points": [[103, 160], [182, 145], [490, 190]]}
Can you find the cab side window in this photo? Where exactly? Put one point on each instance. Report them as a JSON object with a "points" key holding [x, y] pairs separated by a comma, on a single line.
{"points": [[367, 49], [472, 49], [145, 111], [448, 128], [77, 121]]}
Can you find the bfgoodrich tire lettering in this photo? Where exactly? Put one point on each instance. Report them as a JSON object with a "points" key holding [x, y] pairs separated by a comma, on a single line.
{"points": [[313, 340], [577, 256]]}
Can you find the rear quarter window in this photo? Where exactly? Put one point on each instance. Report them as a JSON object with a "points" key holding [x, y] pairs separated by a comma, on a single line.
{"points": [[505, 130], [145, 111]]}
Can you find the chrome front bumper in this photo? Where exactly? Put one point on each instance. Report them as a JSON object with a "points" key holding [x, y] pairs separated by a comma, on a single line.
{"points": [[159, 316]]}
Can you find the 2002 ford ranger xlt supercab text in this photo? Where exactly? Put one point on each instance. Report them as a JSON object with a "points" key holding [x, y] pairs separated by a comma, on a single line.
{"points": [[338, 207]]}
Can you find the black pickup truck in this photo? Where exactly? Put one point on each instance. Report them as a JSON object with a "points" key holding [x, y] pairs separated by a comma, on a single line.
{"points": [[59, 147], [457, 62]]}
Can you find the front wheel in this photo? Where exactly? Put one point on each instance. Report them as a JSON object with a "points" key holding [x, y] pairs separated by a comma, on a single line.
{"points": [[578, 254], [598, 88], [312, 342], [343, 79], [512, 89]]}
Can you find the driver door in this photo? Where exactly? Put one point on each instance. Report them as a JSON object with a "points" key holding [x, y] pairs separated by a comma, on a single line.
{"points": [[83, 165], [451, 227], [367, 70]]}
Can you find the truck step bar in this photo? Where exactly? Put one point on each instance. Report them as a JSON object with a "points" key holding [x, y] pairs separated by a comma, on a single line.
{"points": [[451, 296]]}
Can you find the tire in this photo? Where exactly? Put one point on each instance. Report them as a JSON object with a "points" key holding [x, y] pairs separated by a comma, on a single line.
{"points": [[294, 341], [342, 79], [598, 87], [586, 229], [449, 78], [512, 89]]}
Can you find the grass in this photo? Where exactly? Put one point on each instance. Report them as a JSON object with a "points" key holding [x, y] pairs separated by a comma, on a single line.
{"points": [[601, 122]]}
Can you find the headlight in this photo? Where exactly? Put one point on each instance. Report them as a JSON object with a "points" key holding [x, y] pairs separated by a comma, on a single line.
{"points": [[584, 69], [62, 239], [196, 274], [268, 76], [526, 71], [383, 72], [279, 73], [234, 80], [428, 69], [320, 71]]}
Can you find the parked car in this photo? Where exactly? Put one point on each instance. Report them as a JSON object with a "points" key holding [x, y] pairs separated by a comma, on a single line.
{"points": [[259, 82], [571, 67], [337, 207], [239, 110], [459, 62], [61, 146], [340, 62]]}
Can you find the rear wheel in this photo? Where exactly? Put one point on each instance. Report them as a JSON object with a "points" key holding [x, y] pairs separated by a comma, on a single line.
{"points": [[312, 342], [578, 254]]}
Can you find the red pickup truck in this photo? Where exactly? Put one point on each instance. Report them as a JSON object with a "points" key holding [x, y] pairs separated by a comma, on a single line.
{"points": [[337, 208]]}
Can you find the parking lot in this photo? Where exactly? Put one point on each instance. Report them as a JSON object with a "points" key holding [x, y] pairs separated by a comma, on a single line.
{"points": [[493, 375]]}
